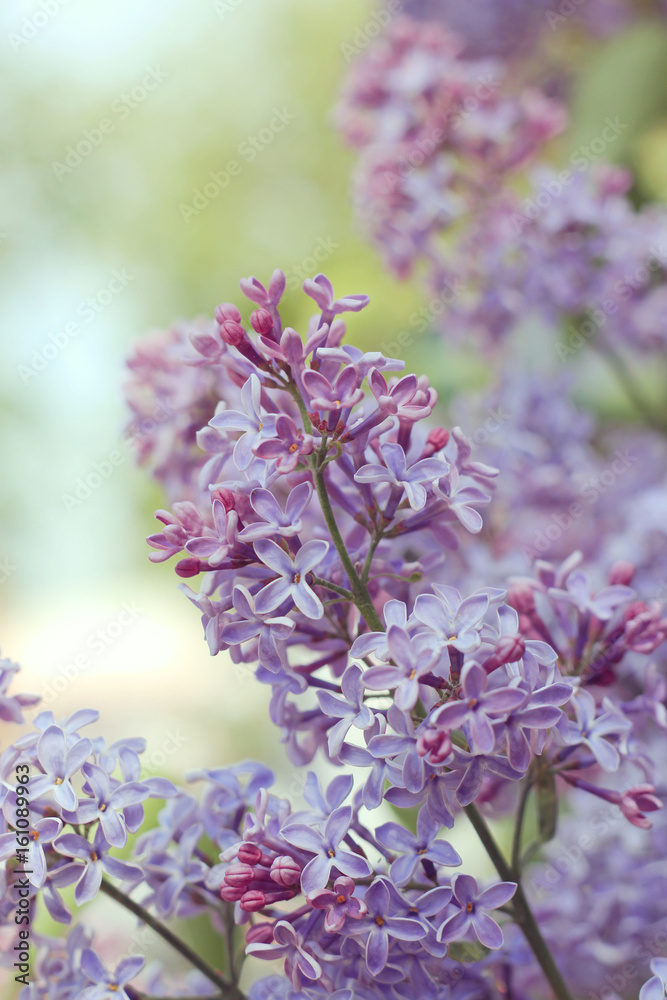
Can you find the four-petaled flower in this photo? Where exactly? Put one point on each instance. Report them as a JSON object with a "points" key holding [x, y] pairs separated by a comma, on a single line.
{"points": [[291, 582], [412, 657], [271, 632], [456, 622], [215, 544], [288, 944], [107, 802], [96, 858], [327, 850], [382, 926], [105, 985], [59, 765], [422, 847], [472, 915], [577, 592], [41, 834], [348, 707], [538, 711], [287, 447], [591, 728], [339, 903], [462, 500], [398, 400], [255, 424], [477, 708], [275, 521], [403, 477], [321, 290], [342, 394]]}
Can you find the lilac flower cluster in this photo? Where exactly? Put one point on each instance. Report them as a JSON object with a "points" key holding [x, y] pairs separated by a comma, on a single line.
{"points": [[170, 400], [440, 138], [318, 513], [437, 135], [573, 254], [511, 28], [566, 482]]}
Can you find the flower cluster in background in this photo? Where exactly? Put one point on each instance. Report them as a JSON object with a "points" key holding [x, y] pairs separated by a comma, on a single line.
{"points": [[454, 174]]}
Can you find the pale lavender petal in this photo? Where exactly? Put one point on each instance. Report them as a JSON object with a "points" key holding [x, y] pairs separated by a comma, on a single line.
{"points": [[487, 930], [497, 895], [377, 950], [316, 873], [89, 884], [464, 888], [128, 968]]}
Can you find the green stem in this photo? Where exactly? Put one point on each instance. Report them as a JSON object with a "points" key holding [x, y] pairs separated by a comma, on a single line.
{"points": [[366, 571], [318, 582], [360, 593], [522, 911], [633, 391], [359, 590], [228, 990], [518, 827]]}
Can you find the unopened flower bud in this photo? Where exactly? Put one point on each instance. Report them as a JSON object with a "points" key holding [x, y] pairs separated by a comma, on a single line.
{"points": [[521, 598], [637, 801], [621, 573], [225, 496], [239, 875], [252, 901], [436, 743], [188, 567], [232, 893], [634, 610], [285, 871], [260, 933], [232, 333], [262, 321], [227, 311], [509, 649], [249, 854], [436, 440]]}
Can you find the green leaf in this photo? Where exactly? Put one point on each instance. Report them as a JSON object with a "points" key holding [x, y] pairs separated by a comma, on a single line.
{"points": [[467, 951], [547, 805]]}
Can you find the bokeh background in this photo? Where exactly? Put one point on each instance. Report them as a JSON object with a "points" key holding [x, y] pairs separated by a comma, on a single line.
{"points": [[96, 249]]}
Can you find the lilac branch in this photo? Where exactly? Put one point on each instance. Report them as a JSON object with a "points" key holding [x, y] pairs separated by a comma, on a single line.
{"points": [[228, 990]]}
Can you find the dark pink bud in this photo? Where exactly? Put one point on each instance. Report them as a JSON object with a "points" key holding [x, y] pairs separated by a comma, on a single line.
{"points": [[621, 573], [232, 893], [262, 322], [188, 567], [225, 496], [637, 801], [285, 871], [521, 598], [249, 854], [644, 630], [436, 743], [260, 933], [253, 900], [227, 311], [634, 610], [232, 333], [509, 649], [239, 875], [437, 438]]}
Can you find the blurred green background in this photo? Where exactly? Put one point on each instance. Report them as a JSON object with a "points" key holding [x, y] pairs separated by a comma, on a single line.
{"points": [[101, 240]]}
